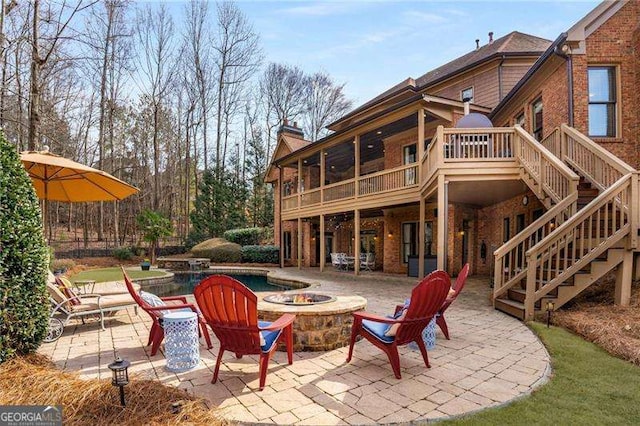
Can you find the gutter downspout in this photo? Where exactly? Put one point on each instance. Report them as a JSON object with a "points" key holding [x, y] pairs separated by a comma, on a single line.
{"points": [[568, 58], [500, 77]]}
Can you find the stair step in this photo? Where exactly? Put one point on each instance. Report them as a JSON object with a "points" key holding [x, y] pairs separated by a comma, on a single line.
{"points": [[510, 307]]}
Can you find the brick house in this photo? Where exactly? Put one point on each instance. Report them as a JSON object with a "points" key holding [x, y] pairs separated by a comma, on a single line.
{"points": [[419, 179]]}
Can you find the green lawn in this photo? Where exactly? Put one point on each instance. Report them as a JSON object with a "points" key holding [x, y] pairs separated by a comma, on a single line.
{"points": [[588, 387], [113, 274]]}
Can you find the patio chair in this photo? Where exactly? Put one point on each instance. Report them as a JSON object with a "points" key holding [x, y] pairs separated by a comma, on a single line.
{"points": [[457, 288], [156, 307], [347, 261], [67, 305], [231, 310], [336, 261], [389, 333], [367, 261]]}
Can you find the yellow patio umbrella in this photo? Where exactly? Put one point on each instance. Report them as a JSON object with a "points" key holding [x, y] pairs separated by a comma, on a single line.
{"points": [[56, 178]]}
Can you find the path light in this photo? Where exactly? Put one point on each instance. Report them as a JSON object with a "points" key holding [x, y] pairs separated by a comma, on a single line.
{"points": [[550, 307], [120, 375]]}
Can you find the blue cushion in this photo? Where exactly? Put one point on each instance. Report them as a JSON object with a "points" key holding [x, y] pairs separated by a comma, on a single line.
{"points": [[377, 329], [270, 337]]}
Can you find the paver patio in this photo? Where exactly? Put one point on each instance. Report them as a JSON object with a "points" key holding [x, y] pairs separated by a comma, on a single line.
{"points": [[490, 359]]}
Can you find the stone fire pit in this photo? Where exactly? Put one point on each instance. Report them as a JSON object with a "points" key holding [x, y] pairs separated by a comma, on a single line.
{"points": [[319, 326]]}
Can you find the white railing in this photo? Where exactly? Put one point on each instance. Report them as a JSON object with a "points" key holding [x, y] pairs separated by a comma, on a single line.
{"points": [[478, 144]]}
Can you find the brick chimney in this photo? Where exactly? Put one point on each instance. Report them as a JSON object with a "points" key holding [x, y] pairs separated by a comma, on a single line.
{"points": [[291, 129]]}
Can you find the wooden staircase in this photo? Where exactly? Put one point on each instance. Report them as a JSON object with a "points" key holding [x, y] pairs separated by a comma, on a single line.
{"points": [[579, 240]]}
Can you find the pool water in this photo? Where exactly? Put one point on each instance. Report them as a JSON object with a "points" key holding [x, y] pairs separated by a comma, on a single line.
{"points": [[184, 283]]}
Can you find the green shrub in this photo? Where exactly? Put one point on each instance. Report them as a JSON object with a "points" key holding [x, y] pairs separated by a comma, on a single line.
{"points": [[123, 253], [218, 250], [260, 254], [244, 236], [61, 265], [24, 257]]}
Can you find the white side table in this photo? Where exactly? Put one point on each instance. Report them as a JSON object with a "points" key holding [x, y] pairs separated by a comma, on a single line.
{"points": [[182, 348]]}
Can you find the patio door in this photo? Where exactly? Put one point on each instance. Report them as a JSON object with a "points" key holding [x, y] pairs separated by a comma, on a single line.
{"points": [[465, 242], [286, 244], [328, 247], [409, 156]]}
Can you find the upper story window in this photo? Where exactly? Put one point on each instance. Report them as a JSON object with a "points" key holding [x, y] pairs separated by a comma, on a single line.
{"points": [[602, 101], [467, 94], [287, 188], [519, 120], [536, 119]]}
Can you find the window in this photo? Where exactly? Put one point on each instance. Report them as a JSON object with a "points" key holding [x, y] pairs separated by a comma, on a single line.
{"points": [[410, 241], [467, 94], [409, 157], [506, 229], [520, 223], [286, 243], [519, 120], [602, 101], [536, 119], [287, 188]]}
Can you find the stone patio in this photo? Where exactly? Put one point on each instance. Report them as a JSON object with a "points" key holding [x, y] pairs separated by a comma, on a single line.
{"points": [[491, 359]]}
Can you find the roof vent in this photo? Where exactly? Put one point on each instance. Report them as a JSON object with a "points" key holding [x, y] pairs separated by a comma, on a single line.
{"points": [[477, 43], [490, 37]]}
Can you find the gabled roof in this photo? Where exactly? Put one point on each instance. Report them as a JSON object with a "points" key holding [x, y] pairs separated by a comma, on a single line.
{"points": [[512, 44], [287, 144]]}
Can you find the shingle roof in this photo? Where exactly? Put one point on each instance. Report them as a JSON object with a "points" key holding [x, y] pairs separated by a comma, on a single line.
{"points": [[513, 43]]}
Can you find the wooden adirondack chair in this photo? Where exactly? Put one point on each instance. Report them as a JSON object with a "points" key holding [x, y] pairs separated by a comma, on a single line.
{"points": [[460, 281], [231, 310], [156, 335], [426, 298]]}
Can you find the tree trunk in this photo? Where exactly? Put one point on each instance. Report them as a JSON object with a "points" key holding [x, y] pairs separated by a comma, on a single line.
{"points": [[34, 104]]}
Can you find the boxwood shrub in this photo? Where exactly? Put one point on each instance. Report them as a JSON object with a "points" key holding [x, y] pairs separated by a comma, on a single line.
{"points": [[218, 250], [244, 236], [123, 253], [24, 257], [260, 254]]}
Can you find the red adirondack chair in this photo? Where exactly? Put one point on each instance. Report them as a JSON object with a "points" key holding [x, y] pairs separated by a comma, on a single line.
{"points": [[156, 335], [426, 298], [460, 281], [231, 310]]}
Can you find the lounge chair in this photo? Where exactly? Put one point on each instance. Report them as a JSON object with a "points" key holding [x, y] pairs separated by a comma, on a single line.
{"points": [[337, 261], [457, 288], [68, 306], [231, 310], [156, 307], [389, 333]]}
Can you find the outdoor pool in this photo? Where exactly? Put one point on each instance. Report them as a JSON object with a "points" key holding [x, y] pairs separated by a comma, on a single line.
{"points": [[184, 283]]}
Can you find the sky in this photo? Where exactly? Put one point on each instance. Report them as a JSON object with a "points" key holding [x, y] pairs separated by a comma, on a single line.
{"points": [[373, 45]]}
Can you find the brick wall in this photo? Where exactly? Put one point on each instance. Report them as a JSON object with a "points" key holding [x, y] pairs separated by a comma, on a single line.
{"points": [[616, 42], [490, 226]]}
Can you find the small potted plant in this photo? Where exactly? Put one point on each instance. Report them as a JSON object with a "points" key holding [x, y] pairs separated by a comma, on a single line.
{"points": [[145, 265]]}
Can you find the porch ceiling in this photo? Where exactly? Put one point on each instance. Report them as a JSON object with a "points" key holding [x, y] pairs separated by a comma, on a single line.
{"points": [[485, 193]]}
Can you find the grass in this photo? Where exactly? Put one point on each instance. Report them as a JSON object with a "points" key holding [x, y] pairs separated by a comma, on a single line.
{"points": [[588, 387], [112, 274]]}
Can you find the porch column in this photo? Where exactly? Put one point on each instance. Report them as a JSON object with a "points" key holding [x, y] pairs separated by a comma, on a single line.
{"points": [[442, 222], [279, 218], [356, 241], [299, 243], [356, 166], [420, 144], [323, 249], [299, 183], [322, 176], [421, 239]]}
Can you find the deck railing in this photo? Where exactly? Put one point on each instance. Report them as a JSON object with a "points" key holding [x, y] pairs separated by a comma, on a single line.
{"points": [[478, 144], [388, 180]]}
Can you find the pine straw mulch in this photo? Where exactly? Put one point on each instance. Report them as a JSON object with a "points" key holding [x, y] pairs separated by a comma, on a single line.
{"points": [[34, 380], [593, 316]]}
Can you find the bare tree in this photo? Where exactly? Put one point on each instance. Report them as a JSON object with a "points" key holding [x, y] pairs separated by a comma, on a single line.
{"points": [[238, 56], [156, 47], [325, 102]]}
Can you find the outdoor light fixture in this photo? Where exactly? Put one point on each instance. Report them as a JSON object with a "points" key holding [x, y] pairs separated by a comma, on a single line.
{"points": [[550, 307], [461, 232], [370, 146], [120, 375], [379, 132], [525, 200], [390, 234]]}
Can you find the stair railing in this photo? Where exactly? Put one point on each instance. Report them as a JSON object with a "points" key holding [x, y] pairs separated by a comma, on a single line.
{"points": [[549, 178], [601, 224]]}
